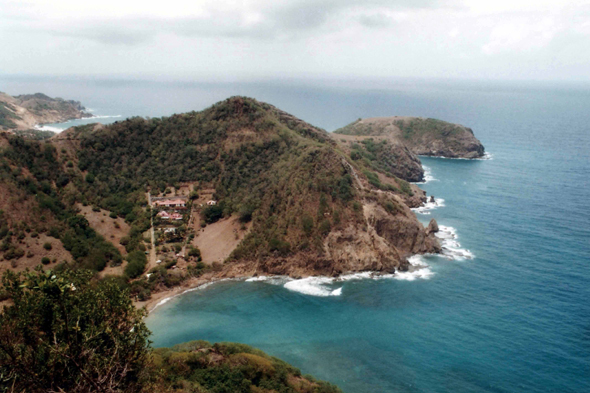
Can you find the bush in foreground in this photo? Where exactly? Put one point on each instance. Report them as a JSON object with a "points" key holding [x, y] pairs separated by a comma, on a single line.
{"points": [[66, 332]]}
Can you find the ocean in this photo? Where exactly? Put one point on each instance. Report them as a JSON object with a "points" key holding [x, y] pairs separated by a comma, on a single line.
{"points": [[505, 309]]}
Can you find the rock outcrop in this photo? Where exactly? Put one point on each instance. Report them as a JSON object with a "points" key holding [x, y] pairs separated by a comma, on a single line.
{"points": [[428, 137], [432, 227]]}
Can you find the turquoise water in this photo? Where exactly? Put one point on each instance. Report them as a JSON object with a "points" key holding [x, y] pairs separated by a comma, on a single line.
{"points": [[515, 318]]}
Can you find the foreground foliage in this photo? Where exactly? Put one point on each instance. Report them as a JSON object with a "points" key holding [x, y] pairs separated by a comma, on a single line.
{"points": [[69, 332], [66, 332], [198, 366]]}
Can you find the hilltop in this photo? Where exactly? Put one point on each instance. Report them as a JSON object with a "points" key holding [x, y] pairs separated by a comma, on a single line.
{"points": [[427, 137], [23, 112]]}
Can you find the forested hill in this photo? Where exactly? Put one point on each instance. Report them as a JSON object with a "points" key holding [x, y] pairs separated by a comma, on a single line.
{"points": [[315, 207]]}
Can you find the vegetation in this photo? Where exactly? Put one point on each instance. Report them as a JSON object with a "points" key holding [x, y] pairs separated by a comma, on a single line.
{"points": [[34, 134], [280, 174], [67, 332], [198, 366]]}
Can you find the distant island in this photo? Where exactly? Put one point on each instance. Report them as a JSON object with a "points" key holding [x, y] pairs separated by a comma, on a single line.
{"points": [[25, 111]]}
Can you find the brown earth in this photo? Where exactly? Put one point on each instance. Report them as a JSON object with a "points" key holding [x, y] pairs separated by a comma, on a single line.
{"points": [[105, 225], [35, 247], [217, 241]]}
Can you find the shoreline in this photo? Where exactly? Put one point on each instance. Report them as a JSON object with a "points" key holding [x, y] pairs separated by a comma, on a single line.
{"points": [[159, 298]]}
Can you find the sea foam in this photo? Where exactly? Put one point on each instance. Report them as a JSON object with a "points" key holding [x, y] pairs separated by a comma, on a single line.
{"points": [[425, 209], [48, 128], [314, 286], [427, 176], [451, 248]]}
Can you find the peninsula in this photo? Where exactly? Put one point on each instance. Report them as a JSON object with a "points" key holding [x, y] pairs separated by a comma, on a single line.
{"points": [[25, 111], [425, 137], [237, 190]]}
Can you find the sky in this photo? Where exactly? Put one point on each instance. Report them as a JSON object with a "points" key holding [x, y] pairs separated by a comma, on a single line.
{"points": [[258, 39]]}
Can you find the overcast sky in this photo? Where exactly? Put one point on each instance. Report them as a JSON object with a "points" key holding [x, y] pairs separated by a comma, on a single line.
{"points": [[224, 39]]}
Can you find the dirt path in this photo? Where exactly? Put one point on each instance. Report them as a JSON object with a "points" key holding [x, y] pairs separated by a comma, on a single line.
{"points": [[152, 258]]}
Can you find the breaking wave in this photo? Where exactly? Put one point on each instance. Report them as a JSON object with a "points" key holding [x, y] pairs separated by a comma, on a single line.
{"points": [[104, 116], [425, 209], [314, 286], [451, 248], [427, 175], [418, 269], [48, 128]]}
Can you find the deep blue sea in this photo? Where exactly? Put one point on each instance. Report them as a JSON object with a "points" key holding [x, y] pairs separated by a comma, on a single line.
{"points": [[515, 317]]}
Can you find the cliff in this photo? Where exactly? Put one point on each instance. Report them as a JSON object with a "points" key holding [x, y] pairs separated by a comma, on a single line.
{"points": [[428, 137], [25, 111]]}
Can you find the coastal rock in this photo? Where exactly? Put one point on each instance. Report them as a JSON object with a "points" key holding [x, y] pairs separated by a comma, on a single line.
{"points": [[432, 227], [428, 137]]}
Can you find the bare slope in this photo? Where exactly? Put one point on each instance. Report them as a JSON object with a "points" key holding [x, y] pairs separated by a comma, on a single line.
{"points": [[428, 137]]}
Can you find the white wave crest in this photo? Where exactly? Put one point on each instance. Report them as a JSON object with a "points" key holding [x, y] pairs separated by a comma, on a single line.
{"points": [[451, 248], [104, 116], [48, 128], [314, 286], [427, 175], [425, 209], [259, 278], [418, 270], [486, 156]]}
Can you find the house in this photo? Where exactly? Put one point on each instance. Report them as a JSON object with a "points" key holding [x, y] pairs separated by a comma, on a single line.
{"points": [[164, 215], [176, 216], [170, 203], [212, 203]]}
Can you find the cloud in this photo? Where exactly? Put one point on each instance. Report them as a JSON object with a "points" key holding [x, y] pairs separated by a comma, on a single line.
{"points": [[221, 18]]}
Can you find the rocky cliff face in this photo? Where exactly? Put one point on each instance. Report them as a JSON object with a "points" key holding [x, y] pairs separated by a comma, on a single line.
{"points": [[428, 137], [25, 111]]}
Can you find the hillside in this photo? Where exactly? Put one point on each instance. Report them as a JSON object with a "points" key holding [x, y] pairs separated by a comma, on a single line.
{"points": [[301, 203], [427, 137], [23, 112]]}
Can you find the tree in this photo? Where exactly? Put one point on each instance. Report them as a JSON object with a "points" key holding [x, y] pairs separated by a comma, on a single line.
{"points": [[69, 333]]}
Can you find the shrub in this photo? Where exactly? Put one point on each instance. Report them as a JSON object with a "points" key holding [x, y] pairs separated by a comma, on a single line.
{"points": [[281, 246], [212, 213], [169, 264], [325, 227], [307, 224], [113, 215], [136, 264], [105, 349], [194, 252], [47, 246], [45, 261]]}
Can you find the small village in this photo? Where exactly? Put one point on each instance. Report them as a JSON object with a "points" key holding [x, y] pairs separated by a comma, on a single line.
{"points": [[177, 226]]}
